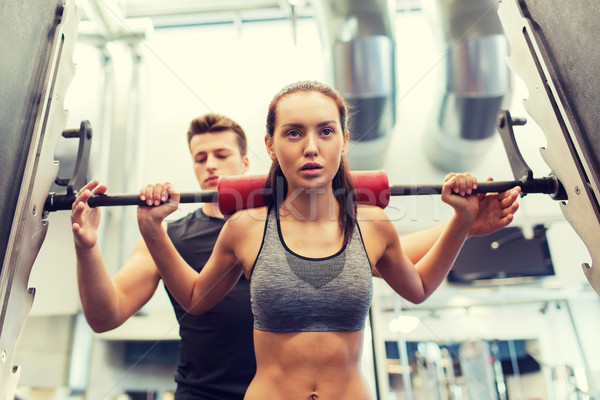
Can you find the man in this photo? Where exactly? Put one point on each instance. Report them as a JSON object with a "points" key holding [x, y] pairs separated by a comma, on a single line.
{"points": [[216, 356]]}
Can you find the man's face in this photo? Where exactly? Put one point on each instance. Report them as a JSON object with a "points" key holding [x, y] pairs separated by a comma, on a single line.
{"points": [[216, 154]]}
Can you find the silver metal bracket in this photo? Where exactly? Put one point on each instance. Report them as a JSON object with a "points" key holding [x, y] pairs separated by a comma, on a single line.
{"points": [[29, 224], [564, 154]]}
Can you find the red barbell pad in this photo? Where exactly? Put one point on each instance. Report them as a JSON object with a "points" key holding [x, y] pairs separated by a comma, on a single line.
{"points": [[372, 187], [246, 191], [240, 192]]}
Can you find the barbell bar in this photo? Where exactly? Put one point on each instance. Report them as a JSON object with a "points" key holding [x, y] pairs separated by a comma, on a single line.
{"points": [[246, 191]]}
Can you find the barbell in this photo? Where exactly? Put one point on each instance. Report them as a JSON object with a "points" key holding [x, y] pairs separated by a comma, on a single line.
{"points": [[246, 191]]}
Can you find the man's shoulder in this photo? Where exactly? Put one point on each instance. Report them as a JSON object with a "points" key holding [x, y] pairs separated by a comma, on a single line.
{"points": [[197, 217], [195, 225]]}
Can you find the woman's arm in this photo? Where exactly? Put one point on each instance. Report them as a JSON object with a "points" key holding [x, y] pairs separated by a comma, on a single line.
{"points": [[496, 210], [196, 292], [417, 281], [106, 302]]}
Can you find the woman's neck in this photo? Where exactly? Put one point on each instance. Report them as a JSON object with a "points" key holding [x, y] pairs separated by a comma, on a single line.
{"points": [[315, 204]]}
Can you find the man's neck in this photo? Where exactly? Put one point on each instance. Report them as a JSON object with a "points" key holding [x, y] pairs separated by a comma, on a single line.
{"points": [[212, 210]]}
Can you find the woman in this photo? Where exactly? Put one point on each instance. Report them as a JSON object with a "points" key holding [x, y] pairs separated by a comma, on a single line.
{"points": [[309, 253]]}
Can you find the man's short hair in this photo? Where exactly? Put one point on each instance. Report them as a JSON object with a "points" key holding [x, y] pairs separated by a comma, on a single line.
{"points": [[210, 123]]}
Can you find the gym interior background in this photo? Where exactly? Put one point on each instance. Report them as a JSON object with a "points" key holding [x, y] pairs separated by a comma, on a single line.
{"points": [[146, 68]]}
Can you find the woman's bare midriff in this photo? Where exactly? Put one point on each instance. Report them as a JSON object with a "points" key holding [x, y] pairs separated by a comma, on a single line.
{"points": [[308, 366]]}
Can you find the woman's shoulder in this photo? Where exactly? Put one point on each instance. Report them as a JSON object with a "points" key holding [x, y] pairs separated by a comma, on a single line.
{"points": [[371, 213], [248, 218], [243, 233], [373, 219]]}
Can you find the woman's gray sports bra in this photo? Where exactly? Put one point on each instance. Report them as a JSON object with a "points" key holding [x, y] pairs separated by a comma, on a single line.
{"points": [[292, 293]]}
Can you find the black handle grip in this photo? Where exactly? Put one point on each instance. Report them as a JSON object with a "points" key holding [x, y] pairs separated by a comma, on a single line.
{"points": [[102, 200], [56, 202], [547, 185], [482, 187]]}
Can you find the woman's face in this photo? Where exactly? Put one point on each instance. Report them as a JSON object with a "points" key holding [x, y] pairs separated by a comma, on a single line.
{"points": [[308, 140]]}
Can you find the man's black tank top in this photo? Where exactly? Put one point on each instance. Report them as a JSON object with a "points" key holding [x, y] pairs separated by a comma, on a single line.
{"points": [[216, 351]]}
